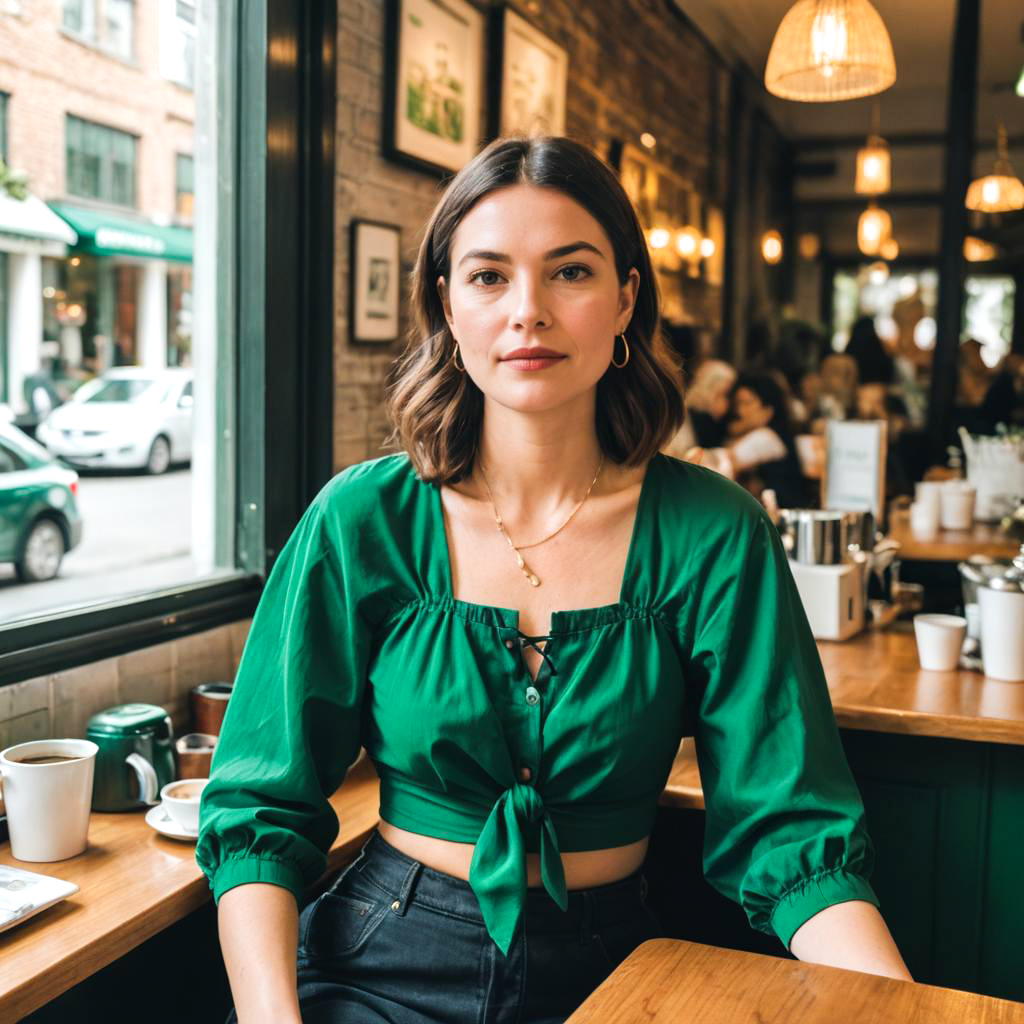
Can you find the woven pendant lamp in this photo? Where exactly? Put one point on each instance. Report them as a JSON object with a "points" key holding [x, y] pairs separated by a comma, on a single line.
{"points": [[999, 191], [873, 227], [828, 50]]}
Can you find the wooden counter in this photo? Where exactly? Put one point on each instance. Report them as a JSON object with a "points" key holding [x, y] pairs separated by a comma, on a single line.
{"points": [[665, 981], [133, 883], [950, 545]]}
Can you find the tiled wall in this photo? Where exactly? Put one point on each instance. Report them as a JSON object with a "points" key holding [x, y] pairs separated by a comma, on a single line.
{"points": [[60, 705]]}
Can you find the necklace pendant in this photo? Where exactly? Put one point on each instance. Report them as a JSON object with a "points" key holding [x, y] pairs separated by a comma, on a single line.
{"points": [[534, 582], [519, 559]]}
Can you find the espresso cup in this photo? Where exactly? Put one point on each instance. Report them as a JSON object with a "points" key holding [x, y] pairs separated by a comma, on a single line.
{"points": [[47, 786], [180, 800]]}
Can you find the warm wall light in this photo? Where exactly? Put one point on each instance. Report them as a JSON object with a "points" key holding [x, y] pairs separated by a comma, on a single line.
{"points": [[978, 251], [688, 242], [707, 248], [874, 166], [830, 50], [771, 246], [873, 228], [659, 238], [999, 191], [808, 245], [889, 249], [648, 141]]}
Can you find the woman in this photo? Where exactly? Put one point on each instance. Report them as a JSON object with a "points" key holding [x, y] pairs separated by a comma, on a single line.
{"points": [[762, 449], [521, 748]]}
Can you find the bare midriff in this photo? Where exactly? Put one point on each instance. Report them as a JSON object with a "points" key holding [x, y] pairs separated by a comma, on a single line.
{"points": [[583, 870]]}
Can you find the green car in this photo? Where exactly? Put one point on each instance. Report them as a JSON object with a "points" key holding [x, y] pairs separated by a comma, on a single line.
{"points": [[39, 518]]}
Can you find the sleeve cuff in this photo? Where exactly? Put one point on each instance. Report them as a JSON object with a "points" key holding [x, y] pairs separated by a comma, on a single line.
{"points": [[242, 870], [814, 894]]}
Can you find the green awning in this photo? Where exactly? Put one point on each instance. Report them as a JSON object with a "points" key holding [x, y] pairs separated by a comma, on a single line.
{"points": [[111, 235]]}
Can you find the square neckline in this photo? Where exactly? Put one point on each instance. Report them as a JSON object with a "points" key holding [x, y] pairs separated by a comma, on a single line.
{"points": [[566, 620]]}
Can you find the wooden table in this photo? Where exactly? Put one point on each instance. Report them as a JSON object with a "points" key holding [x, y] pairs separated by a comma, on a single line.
{"points": [[669, 982], [133, 883], [950, 545], [875, 686]]}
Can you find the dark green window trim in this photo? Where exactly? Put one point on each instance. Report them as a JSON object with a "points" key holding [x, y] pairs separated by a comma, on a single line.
{"points": [[283, 336], [4, 98]]}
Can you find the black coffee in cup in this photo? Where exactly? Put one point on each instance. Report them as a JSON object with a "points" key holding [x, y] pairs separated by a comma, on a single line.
{"points": [[43, 759]]}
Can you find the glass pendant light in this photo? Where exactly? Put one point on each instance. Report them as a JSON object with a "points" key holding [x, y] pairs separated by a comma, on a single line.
{"points": [[827, 50], [771, 246], [999, 191], [873, 228], [874, 162]]}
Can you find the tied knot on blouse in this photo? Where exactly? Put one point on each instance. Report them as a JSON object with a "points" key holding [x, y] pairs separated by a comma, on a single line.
{"points": [[497, 872]]}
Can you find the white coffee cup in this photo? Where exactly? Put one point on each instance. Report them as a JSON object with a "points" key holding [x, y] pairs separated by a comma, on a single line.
{"points": [[1002, 634], [48, 803], [927, 492], [939, 640], [180, 800], [956, 506], [924, 519]]}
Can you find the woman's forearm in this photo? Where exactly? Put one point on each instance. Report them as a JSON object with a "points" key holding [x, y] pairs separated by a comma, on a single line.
{"points": [[851, 935], [259, 925]]}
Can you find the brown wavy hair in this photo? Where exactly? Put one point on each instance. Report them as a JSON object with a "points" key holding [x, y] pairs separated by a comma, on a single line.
{"points": [[437, 410]]}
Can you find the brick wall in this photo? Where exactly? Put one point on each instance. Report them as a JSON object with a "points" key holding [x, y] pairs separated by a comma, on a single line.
{"points": [[633, 68], [49, 74]]}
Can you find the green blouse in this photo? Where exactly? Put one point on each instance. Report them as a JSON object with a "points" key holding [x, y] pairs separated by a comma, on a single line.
{"points": [[358, 640]]}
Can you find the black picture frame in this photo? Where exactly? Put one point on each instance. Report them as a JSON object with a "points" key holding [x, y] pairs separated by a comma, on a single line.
{"points": [[409, 144], [374, 292]]}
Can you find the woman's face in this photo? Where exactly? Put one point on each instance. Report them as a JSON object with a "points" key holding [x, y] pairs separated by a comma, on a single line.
{"points": [[532, 269], [749, 412]]}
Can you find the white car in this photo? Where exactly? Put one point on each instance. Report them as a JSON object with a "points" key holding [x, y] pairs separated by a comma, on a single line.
{"points": [[127, 418]]}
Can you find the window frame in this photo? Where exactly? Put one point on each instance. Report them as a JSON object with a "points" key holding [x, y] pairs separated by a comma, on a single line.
{"points": [[283, 336], [106, 169]]}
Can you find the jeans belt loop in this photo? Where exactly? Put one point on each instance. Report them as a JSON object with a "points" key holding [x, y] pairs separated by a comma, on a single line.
{"points": [[405, 893]]}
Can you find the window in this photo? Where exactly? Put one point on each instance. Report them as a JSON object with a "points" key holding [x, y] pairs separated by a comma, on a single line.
{"points": [[183, 189], [178, 41], [100, 162], [119, 35], [256, 465], [80, 18], [10, 461]]}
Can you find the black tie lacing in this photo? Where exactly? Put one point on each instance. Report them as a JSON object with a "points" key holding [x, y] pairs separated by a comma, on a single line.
{"points": [[534, 642]]}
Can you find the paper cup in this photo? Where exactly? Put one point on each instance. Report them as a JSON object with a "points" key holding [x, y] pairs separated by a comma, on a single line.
{"points": [[939, 640], [924, 519], [956, 508], [1002, 634], [928, 492], [48, 800]]}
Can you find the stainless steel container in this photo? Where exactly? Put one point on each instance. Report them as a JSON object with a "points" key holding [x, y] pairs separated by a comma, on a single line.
{"points": [[815, 536]]}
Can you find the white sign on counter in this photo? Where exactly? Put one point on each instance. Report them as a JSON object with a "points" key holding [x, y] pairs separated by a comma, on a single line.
{"points": [[854, 477]]}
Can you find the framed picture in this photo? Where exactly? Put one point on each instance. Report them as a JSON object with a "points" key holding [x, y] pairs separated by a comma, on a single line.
{"points": [[529, 77], [433, 83], [374, 268]]}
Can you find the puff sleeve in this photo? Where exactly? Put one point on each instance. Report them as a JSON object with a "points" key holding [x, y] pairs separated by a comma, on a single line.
{"points": [[293, 722], [784, 834]]}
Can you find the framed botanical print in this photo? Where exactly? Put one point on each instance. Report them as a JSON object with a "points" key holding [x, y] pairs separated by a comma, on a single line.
{"points": [[374, 269], [433, 83], [528, 78]]}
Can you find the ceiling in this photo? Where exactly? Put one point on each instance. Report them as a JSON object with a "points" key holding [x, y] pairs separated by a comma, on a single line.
{"points": [[921, 33]]}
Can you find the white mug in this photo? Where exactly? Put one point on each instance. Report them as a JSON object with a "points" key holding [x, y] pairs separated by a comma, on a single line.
{"points": [[1002, 634], [48, 803]]}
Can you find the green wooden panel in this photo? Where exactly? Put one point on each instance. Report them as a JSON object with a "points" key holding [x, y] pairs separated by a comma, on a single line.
{"points": [[1002, 953]]}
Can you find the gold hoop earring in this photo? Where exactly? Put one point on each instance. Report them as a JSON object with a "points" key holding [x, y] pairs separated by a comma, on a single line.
{"points": [[619, 366], [455, 360]]}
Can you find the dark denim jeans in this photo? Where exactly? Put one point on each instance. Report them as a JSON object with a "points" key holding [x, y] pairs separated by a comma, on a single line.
{"points": [[394, 941]]}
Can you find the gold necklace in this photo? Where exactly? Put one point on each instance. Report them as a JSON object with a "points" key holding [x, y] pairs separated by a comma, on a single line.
{"points": [[531, 576]]}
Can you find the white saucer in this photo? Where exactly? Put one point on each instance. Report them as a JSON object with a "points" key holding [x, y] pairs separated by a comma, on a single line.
{"points": [[158, 818]]}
